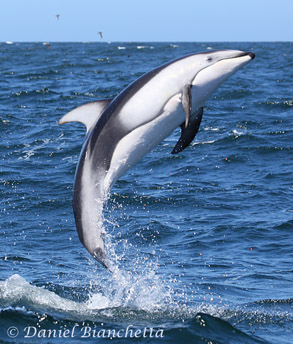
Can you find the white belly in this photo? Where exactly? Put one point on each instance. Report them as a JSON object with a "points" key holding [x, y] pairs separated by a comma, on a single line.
{"points": [[143, 139]]}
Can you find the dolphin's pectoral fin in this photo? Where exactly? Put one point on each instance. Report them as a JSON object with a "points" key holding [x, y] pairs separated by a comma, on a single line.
{"points": [[87, 114], [187, 103], [188, 133]]}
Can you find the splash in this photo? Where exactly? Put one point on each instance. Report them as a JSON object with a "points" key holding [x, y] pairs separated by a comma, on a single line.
{"points": [[143, 291], [136, 295]]}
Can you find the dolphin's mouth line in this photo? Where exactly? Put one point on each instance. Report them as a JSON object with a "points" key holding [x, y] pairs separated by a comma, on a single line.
{"points": [[252, 55]]}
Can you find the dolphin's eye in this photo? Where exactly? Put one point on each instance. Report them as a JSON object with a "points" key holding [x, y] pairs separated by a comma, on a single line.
{"points": [[209, 59]]}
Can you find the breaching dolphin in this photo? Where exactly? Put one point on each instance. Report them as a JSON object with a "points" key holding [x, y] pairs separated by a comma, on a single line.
{"points": [[122, 130]]}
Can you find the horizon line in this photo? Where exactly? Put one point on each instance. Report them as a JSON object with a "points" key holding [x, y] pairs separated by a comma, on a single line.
{"points": [[136, 41]]}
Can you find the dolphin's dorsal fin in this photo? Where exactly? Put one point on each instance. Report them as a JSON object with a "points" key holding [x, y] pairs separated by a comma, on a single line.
{"points": [[87, 114], [188, 133], [187, 103]]}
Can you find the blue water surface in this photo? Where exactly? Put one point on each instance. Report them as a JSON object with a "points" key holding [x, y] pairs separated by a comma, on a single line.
{"points": [[202, 240]]}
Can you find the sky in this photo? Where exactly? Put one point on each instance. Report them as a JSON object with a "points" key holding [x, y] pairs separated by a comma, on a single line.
{"points": [[146, 20]]}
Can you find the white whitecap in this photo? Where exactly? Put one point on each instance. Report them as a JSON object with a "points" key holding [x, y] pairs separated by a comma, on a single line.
{"points": [[238, 133], [16, 291], [211, 129]]}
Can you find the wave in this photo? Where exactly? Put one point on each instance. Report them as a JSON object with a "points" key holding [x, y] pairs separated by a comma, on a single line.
{"points": [[25, 305], [201, 329], [139, 300], [282, 104], [121, 293], [33, 93]]}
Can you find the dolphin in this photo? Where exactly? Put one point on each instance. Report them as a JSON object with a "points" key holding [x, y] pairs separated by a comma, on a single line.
{"points": [[122, 130]]}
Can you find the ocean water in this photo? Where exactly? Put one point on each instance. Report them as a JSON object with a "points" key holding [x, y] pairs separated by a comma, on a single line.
{"points": [[202, 240]]}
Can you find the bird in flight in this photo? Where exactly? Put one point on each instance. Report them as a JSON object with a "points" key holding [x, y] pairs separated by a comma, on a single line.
{"points": [[101, 34], [57, 16]]}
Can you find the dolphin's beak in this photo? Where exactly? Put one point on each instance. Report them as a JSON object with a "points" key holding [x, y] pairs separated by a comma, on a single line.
{"points": [[252, 55]]}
